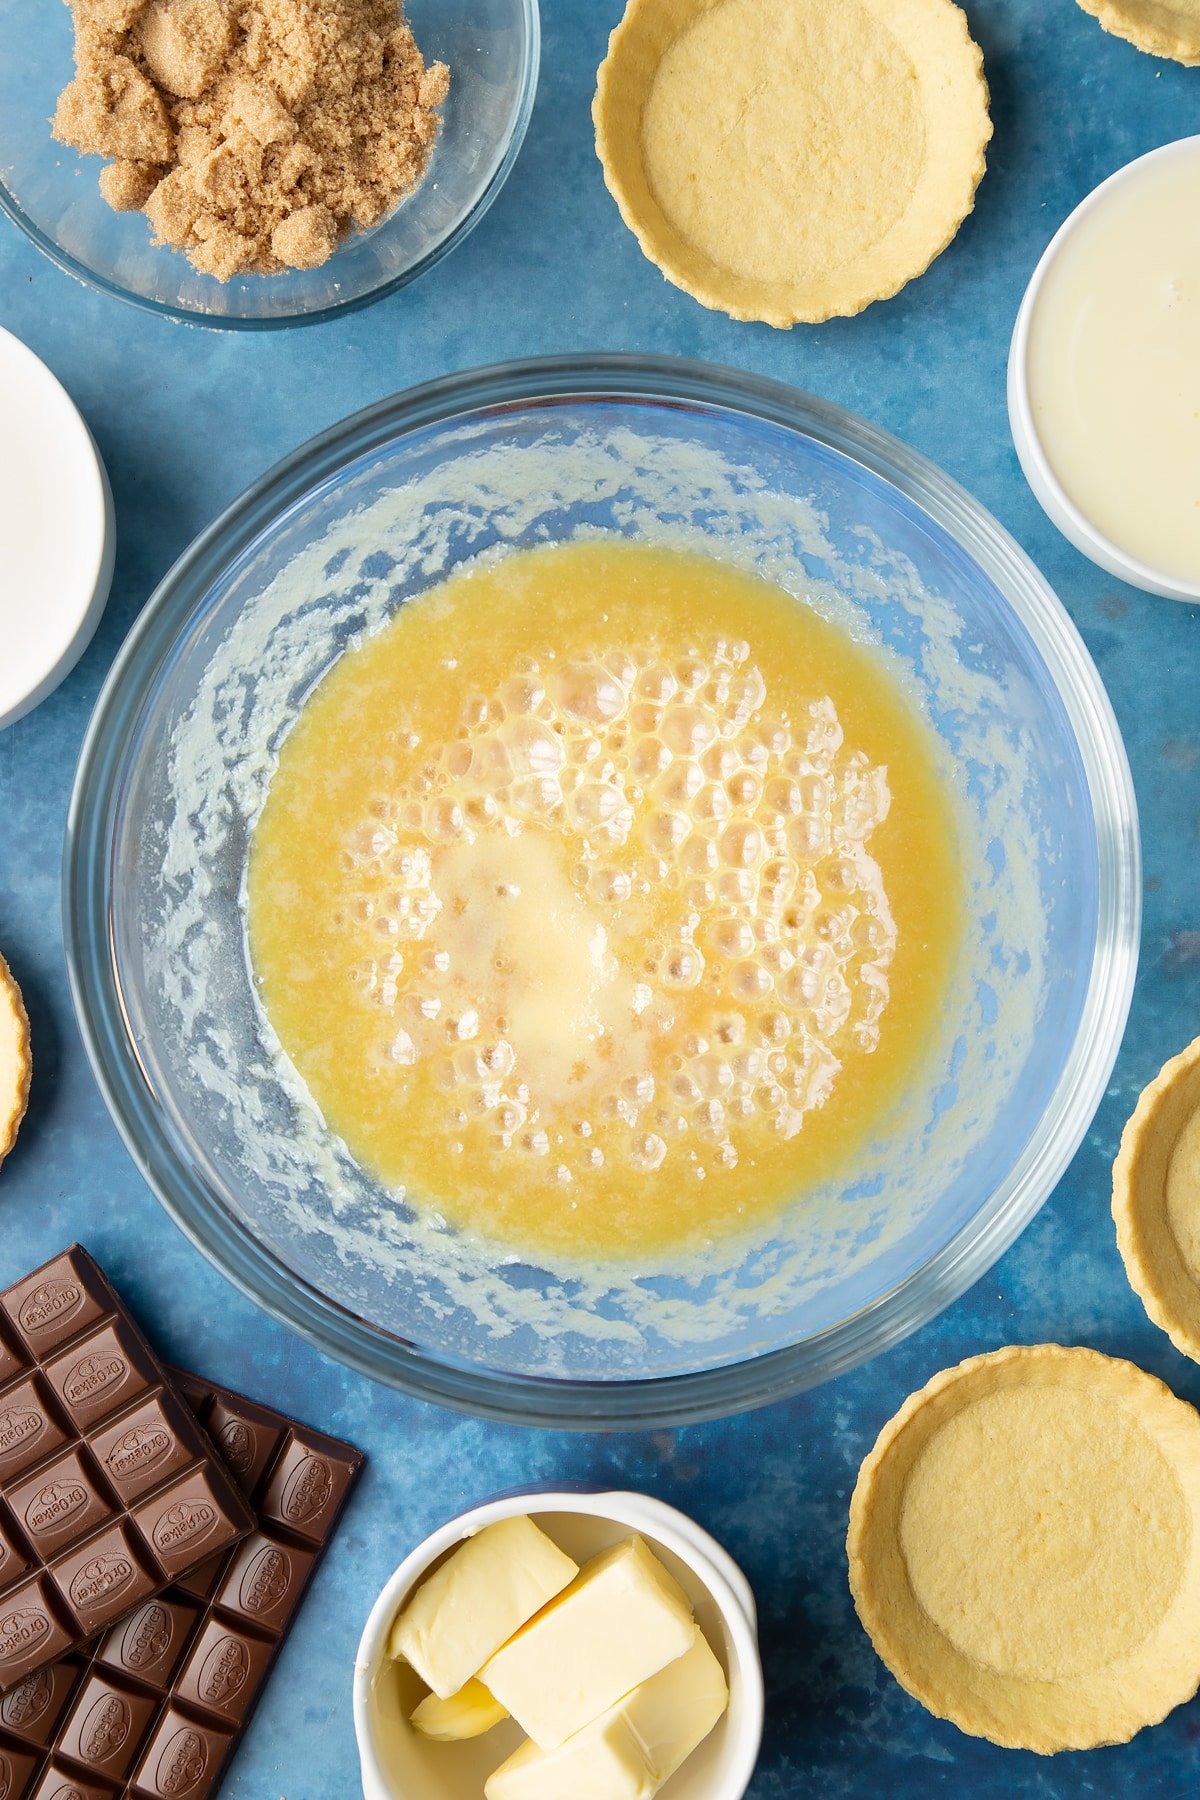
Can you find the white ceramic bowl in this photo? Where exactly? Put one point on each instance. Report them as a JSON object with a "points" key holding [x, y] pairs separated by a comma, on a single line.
{"points": [[398, 1764], [57, 532], [1054, 500]]}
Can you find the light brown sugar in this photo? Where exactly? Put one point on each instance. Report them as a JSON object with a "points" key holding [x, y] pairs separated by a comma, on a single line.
{"points": [[253, 133]]}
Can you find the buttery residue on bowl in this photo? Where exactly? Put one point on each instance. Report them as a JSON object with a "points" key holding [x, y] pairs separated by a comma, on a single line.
{"points": [[300, 605]]}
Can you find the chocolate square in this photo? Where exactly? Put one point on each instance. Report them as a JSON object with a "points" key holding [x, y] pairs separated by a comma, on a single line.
{"points": [[182, 1759], [32, 1709], [58, 1300], [62, 1783], [246, 1439], [103, 1578], [202, 1582], [198, 1394], [60, 1503], [108, 1727], [104, 1371], [224, 1671], [16, 1768], [183, 1522], [144, 1447], [12, 1361], [150, 1643], [30, 1632], [29, 1429], [264, 1581], [305, 1489], [14, 1558]]}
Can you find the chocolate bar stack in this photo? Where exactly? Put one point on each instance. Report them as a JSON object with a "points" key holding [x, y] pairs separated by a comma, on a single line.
{"points": [[189, 1549]]}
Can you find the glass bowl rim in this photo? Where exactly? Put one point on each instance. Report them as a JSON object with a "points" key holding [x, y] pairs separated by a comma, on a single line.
{"points": [[656, 1401], [11, 207]]}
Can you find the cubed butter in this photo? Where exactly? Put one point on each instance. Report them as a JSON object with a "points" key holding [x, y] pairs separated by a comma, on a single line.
{"points": [[604, 1761], [467, 1714], [621, 1620], [631, 1750], [479, 1597]]}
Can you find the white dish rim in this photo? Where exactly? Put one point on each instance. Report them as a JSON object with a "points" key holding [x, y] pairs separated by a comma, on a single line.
{"points": [[62, 650]]}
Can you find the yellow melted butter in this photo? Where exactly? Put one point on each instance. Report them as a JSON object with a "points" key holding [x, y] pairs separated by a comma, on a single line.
{"points": [[605, 899]]}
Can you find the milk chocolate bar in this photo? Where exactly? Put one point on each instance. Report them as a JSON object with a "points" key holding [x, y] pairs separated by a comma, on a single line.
{"points": [[155, 1709], [109, 1488]]}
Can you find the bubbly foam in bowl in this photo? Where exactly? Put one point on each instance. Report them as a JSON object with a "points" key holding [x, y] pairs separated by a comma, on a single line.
{"points": [[730, 834], [949, 1177]]}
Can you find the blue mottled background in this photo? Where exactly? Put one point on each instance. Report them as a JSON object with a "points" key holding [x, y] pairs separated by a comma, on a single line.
{"points": [[185, 419]]}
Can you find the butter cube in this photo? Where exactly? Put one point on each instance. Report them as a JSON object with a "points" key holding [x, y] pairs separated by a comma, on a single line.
{"points": [[484, 1592], [604, 1761], [621, 1620], [631, 1750], [467, 1714]]}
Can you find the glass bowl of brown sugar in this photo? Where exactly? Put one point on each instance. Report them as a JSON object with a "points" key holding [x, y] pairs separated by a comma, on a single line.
{"points": [[294, 179]]}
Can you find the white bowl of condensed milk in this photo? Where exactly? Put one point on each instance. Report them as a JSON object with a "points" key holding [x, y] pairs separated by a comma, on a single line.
{"points": [[1104, 374]]}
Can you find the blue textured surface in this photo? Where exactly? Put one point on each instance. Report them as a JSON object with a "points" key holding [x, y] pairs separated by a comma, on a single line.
{"points": [[185, 419]]}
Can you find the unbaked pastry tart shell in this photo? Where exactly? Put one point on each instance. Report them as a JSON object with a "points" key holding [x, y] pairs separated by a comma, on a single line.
{"points": [[1168, 28], [1024, 1548], [1156, 1200], [14, 1059], [792, 160]]}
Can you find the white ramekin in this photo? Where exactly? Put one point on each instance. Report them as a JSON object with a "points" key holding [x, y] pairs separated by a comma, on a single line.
{"points": [[1054, 499], [410, 1769], [57, 532]]}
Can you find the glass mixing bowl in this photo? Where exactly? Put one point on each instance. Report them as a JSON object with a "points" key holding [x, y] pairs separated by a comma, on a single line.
{"points": [[51, 192], [325, 548]]}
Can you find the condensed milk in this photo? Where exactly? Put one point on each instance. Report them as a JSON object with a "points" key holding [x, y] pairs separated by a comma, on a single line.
{"points": [[1108, 352]]}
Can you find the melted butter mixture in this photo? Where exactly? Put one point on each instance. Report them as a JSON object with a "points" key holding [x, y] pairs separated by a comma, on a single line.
{"points": [[605, 899]]}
